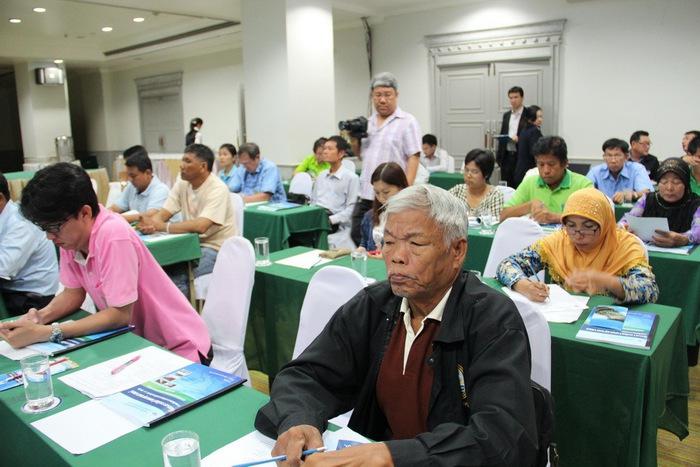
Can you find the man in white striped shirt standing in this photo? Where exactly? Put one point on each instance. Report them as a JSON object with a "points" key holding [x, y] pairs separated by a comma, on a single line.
{"points": [[392, 136]]}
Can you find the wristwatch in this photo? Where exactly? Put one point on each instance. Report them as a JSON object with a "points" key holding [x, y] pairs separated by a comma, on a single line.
{"points": [[56, 333]]}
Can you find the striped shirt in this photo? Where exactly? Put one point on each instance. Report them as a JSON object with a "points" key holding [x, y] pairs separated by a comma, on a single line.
{"points": [[395, 141]]}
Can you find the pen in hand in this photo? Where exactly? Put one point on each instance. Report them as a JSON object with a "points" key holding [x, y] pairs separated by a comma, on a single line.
{"points": [[281, 458], [541, 286], [124, 365]]}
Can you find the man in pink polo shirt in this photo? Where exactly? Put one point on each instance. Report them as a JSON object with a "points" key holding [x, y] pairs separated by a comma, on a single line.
{"points": [[102, 255]]}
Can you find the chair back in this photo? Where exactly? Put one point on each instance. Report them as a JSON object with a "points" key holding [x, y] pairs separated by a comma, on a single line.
{"points": [[228, 302], [507, 192], [238, 211], [450, 164], [115, 190], [540, 342], [328, 289], [350, 165], [513, 235], [301, 184]]}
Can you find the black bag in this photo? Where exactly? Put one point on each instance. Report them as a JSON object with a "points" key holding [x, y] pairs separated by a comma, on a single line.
{"points": [[544, 416]]}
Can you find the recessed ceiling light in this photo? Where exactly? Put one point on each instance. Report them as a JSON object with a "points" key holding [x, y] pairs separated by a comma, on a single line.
{"points": [[138, 20], [107, 29], [39, 10], [15, 20], [58, 61]]}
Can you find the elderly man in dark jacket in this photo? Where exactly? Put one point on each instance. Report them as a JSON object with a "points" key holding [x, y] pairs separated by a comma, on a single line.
{"points": [[434, 363]]}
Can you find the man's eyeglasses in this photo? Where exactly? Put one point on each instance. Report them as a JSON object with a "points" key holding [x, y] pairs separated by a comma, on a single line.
{"points": [[52, 227], [585, 231]]}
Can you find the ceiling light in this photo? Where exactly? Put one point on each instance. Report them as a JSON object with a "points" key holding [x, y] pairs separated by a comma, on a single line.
{"points": [[138, 20], [15, 20], [107, 29], [39, 10], [58, 61]]}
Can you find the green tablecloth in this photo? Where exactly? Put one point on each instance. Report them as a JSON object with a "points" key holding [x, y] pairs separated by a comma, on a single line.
{"points": [[622, 209], [446, 180], [174, 249], [218, 421], [609, 399], [278, 226], [673, 273]]}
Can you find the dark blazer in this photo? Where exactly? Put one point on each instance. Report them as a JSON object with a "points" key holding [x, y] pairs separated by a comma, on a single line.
{"points": [[504, 131]]}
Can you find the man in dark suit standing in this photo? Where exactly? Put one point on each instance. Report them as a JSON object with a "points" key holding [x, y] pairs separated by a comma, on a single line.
{"points": [[511, 126]]}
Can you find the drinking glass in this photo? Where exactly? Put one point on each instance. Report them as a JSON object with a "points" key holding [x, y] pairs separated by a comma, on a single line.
{"points": [[38, 387], [181, 449], [358, 261], [502, 183], [487, 222], [262, 251]]}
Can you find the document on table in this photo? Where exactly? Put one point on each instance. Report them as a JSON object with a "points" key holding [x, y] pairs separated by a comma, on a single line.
{"points": [[6, 350], [644, 227], [84, 427], [256, 446], [98, 380], [159, 237], [306, 260], [680, 250], [561, 307]]}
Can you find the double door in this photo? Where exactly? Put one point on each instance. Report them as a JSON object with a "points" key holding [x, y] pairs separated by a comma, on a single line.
{"points": [[473, 98]]}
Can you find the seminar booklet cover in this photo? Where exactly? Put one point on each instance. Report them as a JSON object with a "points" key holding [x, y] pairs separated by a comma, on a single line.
{"points": [[618, 325]]}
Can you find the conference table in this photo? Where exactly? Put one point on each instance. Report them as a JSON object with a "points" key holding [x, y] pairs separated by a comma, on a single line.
{"points": [[674, 274], [309, 221], [446, 180], [609, 400], [18, 180], [217, 422]]}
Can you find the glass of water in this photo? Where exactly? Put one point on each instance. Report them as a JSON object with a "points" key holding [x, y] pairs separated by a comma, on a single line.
{"points": [[487, 222], [358, 261], [38, 387], [502, 183], [262, 251], [181, 449]]}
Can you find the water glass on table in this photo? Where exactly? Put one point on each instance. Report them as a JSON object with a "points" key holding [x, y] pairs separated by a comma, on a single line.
{"points": [[38, 387], [487, 223], [358, 261], [262, 251], [181, 449]]}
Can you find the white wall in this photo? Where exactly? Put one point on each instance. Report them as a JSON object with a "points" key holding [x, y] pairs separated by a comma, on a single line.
{"points": [[626, 65], [210, 90]]}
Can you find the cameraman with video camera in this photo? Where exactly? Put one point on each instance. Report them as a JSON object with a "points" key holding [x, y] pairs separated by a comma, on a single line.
{"points": [[392, 135]]}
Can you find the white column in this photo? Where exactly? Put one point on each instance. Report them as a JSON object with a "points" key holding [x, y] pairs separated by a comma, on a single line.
{"points": [[44, 114], [288, 75]]}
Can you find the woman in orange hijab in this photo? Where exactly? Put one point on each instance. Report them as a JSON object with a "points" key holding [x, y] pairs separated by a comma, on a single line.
{"points": [[589, 254]]}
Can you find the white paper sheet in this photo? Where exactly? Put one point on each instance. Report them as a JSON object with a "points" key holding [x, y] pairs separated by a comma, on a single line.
{"points": [[681, 250], [561, 307], [306, 260], [15, 354], [159, 237], [256, 446], [84, 427], [97, 380], [644, 227]]}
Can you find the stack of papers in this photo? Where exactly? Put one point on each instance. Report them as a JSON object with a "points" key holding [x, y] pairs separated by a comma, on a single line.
{"points": [[680, 250], [560, 307], [255, 446], [158, 237], [645, 227], [306, 260]]}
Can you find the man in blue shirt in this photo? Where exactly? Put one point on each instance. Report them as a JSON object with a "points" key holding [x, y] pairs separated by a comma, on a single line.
{"points": [[28, 264], [256, 179], [620, 179], [145, 191]]}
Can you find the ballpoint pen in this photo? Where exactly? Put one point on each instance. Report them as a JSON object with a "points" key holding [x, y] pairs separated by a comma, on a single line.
{"points": [[124, 365], [281, 458]]}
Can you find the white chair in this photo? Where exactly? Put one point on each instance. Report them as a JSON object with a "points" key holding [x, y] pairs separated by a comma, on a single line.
{"points": [[540, 343], [228, 302], [115, 190], [350, 165], [94, 185], [328, 289], [450, 164], [301, 184], [513, 235], [507, 192], [238, 209]]}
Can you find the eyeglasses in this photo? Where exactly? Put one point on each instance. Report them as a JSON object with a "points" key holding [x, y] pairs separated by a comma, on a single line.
{"points": [[585, 232], [385, 95], [53, 228]]}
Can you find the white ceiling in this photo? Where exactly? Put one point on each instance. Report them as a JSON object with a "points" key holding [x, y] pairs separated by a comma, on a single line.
{"points": [[71, 29]]}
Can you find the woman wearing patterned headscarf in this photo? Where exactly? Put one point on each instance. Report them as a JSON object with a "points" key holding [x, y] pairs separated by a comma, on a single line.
{"points": [[589, 254], [673, 200]]}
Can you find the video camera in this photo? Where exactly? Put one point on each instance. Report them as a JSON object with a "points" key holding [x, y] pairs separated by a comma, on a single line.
{"points": [[356, 127]]}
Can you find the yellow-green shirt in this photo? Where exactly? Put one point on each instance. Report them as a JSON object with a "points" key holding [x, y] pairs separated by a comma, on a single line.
{"points": [[310, 165], [534, 187], [694, 185]]}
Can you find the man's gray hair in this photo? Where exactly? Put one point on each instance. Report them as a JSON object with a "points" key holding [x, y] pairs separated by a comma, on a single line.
{"points": [[448, 212], [384, 80]]}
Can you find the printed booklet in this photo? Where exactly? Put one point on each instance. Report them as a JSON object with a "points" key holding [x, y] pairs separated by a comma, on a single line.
{"points": [[618, 325]]}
